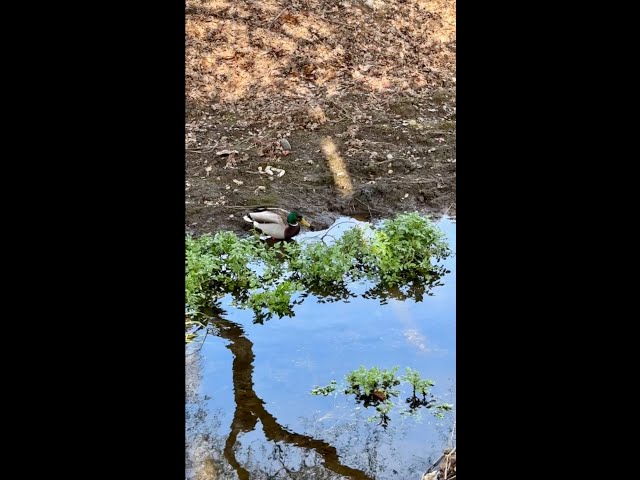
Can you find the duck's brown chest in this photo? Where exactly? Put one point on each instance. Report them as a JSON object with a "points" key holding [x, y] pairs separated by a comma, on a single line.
{"points": [[291, 231]]}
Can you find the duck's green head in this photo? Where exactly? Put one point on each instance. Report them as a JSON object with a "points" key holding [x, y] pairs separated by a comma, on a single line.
{"points": [[294, 217]]}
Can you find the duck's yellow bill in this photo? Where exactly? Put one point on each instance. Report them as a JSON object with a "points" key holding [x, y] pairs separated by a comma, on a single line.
{"points": [[305, 223]]}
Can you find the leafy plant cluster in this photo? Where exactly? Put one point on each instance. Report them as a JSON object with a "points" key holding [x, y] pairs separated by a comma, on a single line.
{"points": [[264, 278], [371, 385], [375, 387]]}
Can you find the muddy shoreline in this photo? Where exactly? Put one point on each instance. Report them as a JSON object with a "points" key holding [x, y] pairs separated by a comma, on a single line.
{"points": [[394, 163]]}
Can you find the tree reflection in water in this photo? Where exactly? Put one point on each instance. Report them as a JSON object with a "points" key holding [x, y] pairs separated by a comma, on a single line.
{"points": [[318, 459], [365, 452]]}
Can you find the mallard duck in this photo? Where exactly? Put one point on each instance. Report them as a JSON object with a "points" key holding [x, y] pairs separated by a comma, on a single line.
{"points": [[277, 223]]}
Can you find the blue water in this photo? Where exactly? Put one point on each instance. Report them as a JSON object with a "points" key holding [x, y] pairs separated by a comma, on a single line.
{"points": [[324, 341]]}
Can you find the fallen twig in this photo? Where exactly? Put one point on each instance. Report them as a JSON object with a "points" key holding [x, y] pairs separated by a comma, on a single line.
{"points": [[277, 17], [367, 205], [327, 20], [200, 150], [249, 206]]}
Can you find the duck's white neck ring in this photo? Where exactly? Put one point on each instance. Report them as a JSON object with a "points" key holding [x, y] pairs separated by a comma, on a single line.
{"points": [[293, 224]]}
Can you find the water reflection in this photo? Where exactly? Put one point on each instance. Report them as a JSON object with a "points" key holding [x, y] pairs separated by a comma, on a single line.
{"points": [[286, 433], [203, 441], [282, 453], [250, 409]]}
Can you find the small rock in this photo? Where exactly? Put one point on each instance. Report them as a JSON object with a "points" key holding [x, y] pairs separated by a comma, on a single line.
{"points": [[285, 144], [310, 162], [406, 195], [421, 198], [231, 216], [389, 156], [227, 187], [238, 182], [390, 172]]}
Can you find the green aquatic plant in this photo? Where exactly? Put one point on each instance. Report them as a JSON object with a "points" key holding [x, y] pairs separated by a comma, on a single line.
{"points": [[375, 383], [324, 391], [397, 257], [375, 388], [442, 409], [419, 384], [383, 409], [276, 301]]}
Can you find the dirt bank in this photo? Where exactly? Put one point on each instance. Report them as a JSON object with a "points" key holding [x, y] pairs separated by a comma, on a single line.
{"points": [[364, 96]]}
